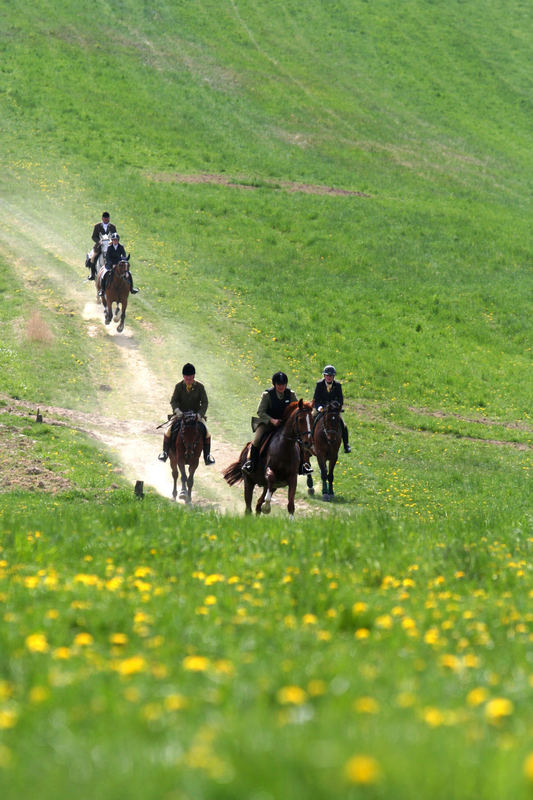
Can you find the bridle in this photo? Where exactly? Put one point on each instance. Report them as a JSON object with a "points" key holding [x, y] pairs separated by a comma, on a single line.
{"points": [[296, 434], [330, 417]]}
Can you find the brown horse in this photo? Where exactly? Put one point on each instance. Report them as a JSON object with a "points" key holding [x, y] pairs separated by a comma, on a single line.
{"points": [[117, 291], [327, 437], [279, 466], [186, 452]]}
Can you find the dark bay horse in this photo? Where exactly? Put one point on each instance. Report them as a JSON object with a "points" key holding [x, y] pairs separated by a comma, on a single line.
{"points": [[327, 437], [186, 451], [117, 291], [279, 466]]}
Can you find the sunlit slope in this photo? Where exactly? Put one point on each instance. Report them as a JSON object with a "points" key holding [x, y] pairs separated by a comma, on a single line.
{"points": [[345, 92], [418, 291]]}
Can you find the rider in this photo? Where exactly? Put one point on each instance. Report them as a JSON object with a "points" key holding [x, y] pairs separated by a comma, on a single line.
{"points": [[115, 253], [189, 395], [326, 391], [270, 411], [103, 228]]}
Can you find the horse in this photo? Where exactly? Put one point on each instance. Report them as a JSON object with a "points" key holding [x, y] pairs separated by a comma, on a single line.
{"points": [[185, 451], [327, 437], [280, 465], [103, 244], [116, 291]]}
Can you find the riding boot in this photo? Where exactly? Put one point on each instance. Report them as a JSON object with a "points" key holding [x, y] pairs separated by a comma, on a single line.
{"points": [[208, 458], [347, 448], [132, 290], [163, 455], [250, 464], [103, 284], [92, 267]]}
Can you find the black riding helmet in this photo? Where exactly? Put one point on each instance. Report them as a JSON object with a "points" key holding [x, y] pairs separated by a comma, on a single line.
{"points": [[280, 378], [329, 370], [188, 369], [115, 236]]}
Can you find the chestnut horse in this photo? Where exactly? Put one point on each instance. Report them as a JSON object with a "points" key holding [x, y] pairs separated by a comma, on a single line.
{"points": [[186, 452], [327, 437], [116, 291], [280, 465]]}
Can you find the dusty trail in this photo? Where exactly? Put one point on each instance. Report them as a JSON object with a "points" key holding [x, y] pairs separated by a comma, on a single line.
{"points": [[132, 388]]}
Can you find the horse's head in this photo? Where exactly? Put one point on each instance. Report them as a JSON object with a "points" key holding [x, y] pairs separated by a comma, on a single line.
{"points": [[122, 267], [332, 421], [298, 416], [105, 241], [190, 435]]}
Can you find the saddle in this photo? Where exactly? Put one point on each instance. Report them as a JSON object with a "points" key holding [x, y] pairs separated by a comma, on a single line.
{"points": [[188, 418]]}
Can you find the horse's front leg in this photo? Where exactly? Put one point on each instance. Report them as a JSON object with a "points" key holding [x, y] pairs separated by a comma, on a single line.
{"points": [[183, 476], [291, 493], [263, 504], [190, 482], [324, 478], [248, 494], [332, 463], [175, 477], [120, 326], [310, 485]]}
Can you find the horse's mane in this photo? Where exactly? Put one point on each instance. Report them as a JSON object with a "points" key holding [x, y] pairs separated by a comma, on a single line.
{"points": [[292, 406]]}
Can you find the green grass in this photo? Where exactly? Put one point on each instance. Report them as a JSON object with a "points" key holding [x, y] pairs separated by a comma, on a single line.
{"points": [[146, 651], [197, 651]]}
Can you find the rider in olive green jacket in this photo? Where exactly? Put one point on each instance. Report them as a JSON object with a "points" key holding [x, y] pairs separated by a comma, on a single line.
{"points": [[189, 395]]}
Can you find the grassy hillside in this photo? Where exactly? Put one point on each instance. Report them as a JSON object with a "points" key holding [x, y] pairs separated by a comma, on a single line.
{"points": [[298, 184]]}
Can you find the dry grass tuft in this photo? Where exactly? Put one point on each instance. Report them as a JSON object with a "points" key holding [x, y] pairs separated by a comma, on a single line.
{"points": [[37, 329]]}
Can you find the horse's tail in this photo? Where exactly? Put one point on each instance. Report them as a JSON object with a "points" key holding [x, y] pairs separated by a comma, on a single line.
{"points": [[233, 473]]}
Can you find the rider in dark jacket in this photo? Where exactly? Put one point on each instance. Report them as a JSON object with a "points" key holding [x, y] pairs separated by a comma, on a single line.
{"points": [[327, 391], [115, 254], [270, 412], [103, 228]]}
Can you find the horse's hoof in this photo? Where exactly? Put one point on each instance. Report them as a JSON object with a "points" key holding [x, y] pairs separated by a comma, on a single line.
{"points": [[325, 497], [311, 491], [265, 508], [291, 517], [120, 328]]}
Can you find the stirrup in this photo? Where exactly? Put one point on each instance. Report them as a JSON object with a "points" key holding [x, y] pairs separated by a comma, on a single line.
{"points": [[306, 468], [347, 448], [248, 466], [162, 456], [208, 459]]}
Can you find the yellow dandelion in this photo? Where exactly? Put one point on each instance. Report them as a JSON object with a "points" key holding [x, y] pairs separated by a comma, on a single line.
{"points": [[309, 619], [433, 717], [384, 621], [362, 633], [362, 769], [450, 661], [83, 639], [130, 666], [37, 643], [477, 696], [292, 695], [366, 705], [224, 667], [8, 718], [528, 767], [498, 709], [211, 579], [175, 702], [61, 653], [359, 607], [38, 694], [210, 600], [118, 638], [196, 663]]}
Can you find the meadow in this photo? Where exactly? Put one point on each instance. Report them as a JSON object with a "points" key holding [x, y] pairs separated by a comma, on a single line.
{"points": [[344, 183]]}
